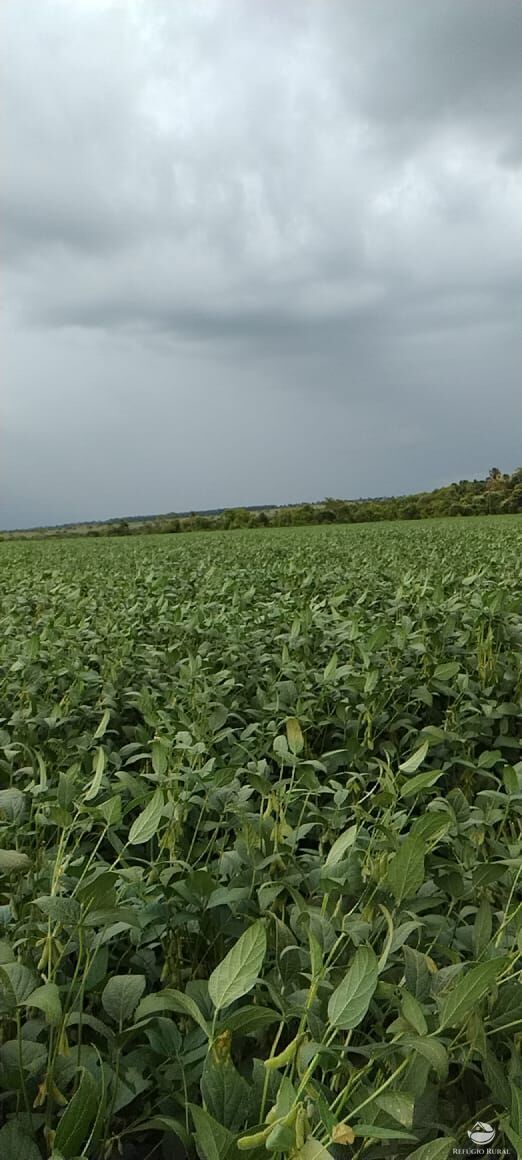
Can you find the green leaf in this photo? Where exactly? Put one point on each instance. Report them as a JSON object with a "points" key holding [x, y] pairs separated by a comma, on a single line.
{"points": [[468, 992], [16, 1143], [294, 735], [416, 759], [417, 973], [47, 999], [514, 1138], [411, 1010], [76, 1018], [172, 1000], [98, 892], [121, 996], [78, 1118], [476, 1033], [228, 896], [495, 1076], [406, 870], [402, 934], [12, 804], [433, 1051], [399, 1105], [226, 1095], [485, 873], [63, 910], [515, 1118], [160, 757], [213, 1141], [350, 1001], [281, 1138], [6, 952], [446, 671], [248, 1020], [99, 770], [281, 746], [102, 727], [316, 954], [420, 782], [169, 1124], [340, 846], [312, 1150], [331, 668], [146, 824], [12, 861], [435, 1149], [23, 1055], [285, 1101], [110, 810], [489, 758], [16, 983], [482, 927], [373, 1132], [238, 972], [388, 940], [431, 827]]}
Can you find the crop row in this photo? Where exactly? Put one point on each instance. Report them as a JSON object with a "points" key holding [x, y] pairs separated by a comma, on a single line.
{"points": [[260, 860]]}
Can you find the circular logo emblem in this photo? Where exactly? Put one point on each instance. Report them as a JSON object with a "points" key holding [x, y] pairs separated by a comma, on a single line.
{"points": [[482, 1133]]}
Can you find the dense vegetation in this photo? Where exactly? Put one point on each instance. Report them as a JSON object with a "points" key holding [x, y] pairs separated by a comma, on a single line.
{"points": [[499, 494], [260, 863]]}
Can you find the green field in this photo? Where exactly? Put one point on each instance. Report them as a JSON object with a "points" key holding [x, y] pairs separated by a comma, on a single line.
{"points": [[260, 799]]}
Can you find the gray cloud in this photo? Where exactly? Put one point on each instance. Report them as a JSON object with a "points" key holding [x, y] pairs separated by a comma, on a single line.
{"points": [[436, 65], [263, 215]]}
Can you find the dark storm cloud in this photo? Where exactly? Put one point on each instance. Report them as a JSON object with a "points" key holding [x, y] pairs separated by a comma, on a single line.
{"points": [[433, 65], [243, 199]]}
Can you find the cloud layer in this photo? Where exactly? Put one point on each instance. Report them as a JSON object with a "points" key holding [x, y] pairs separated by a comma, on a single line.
{"points": [[295, 225]]}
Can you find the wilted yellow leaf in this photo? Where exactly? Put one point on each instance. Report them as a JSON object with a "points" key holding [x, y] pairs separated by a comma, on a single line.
{"points": [[343, 1134]]}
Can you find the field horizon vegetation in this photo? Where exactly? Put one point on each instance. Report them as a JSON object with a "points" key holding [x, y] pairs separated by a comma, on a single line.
{"points": [[500, 493], [260, 858]]}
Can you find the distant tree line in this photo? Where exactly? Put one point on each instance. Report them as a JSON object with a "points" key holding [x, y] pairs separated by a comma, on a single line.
{"points": [[498, 494]]}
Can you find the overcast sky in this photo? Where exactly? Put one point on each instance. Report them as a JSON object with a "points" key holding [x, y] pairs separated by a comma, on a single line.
{"points": [[256, 251]]}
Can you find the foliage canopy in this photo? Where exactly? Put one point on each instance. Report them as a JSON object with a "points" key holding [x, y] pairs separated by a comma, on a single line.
{"points": [[260, 863]]}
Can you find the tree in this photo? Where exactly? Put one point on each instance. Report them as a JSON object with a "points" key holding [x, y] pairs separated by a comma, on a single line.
{"points": [[513, 501], [236, 518]]}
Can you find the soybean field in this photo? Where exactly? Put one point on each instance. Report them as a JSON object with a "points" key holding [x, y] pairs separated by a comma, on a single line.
{"points": [[260, 843]]}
